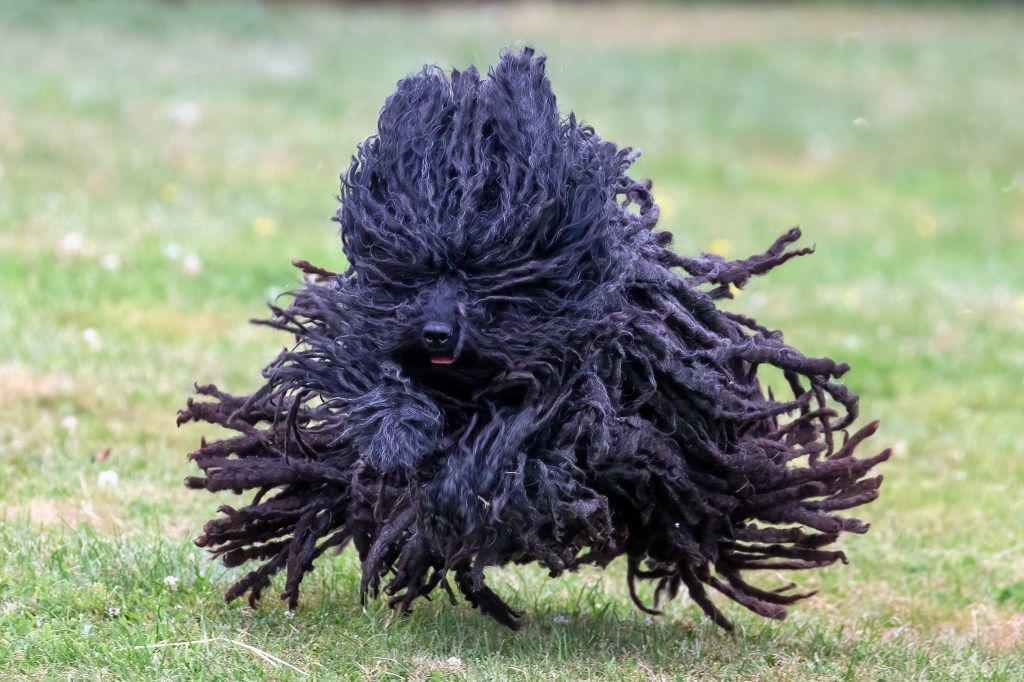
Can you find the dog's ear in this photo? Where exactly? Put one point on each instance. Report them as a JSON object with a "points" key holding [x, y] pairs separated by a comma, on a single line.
{"points": [[390, 192], [520, 105], [545, 182], [412, 116]]}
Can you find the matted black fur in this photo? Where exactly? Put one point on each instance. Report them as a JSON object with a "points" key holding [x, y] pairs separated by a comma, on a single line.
{"points": [[516, 368]]}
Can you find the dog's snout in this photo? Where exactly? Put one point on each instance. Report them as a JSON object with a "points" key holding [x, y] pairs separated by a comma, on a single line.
{"points": [[437, 335]]}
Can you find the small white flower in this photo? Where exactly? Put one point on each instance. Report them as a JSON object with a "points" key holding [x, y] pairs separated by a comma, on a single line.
{"points": [[92, 339], [187, 112], [286, 66], [113, 612], [69, 422], [173, 251], [648, 621], [289, 614], [562, 620], [110, 261], [172, 582], [454, 661], [107, 479], [72, 244], [192, 265]]}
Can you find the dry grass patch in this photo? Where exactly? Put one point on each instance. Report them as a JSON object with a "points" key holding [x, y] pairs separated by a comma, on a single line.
{"points": [[20, 384], [43, 512]]}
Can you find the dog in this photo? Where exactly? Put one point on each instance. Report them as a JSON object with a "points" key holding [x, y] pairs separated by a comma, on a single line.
{"points": [[516, 367]]}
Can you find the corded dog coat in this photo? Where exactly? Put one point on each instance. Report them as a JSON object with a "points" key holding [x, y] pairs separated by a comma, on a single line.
{"points": [[516, 368]]}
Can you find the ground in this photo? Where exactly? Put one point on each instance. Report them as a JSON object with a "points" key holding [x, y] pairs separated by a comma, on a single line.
{"points": [[161, 164]]}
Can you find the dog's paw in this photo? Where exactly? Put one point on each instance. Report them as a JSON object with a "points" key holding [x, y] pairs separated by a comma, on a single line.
{"points": [[398, 443], [395, 428]]}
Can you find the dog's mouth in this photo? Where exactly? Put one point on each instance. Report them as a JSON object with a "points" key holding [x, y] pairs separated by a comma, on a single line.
{"points": [[442, 359]]}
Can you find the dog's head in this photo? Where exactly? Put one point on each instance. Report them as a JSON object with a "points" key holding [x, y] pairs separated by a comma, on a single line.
{"points": [[482, 229]]}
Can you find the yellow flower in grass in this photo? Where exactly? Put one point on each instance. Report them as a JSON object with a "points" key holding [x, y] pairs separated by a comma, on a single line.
{"points": [[925, 224], [169, 193], [666, 207], [850, 297], [264, 226], [722, 247]]}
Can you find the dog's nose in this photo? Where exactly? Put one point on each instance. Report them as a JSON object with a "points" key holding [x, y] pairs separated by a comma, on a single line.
{"points": [[437, 335]]}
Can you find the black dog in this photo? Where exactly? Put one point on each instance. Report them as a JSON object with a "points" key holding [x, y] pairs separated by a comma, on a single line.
{"points": [[512, 371]]}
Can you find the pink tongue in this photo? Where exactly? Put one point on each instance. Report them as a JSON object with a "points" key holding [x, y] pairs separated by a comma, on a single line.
{"points": [[441, 359]]}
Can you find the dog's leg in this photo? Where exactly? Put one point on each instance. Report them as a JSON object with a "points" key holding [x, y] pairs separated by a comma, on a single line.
{"points": [[482, 597]]}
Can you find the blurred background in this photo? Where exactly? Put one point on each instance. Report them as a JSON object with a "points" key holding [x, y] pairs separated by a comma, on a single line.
{"points": [[161, 163]]}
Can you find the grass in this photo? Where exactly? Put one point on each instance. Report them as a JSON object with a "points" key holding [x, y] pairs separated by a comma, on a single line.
{"points": [[161, 164]]}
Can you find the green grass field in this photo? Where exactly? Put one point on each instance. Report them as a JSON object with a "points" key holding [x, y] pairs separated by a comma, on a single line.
{"points": [[161, 164]]}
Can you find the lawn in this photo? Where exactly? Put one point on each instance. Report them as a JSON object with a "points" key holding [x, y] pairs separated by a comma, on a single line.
{"points": [[162, 163]]}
